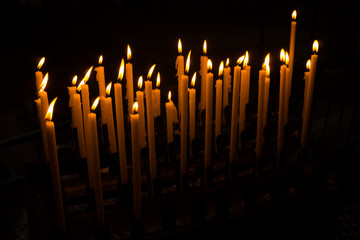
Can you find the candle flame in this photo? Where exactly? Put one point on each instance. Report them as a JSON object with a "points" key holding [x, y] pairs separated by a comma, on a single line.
{"points": [[227, 62], [293, 15], [128, 53], [41, 62], [179, 47], [79, 86], [267, 60], [267, 70], [282, 55], [151, 70], [221, 68], [135, 108], [100, 59], [140, 82], [315, 46], [205, 47], [95, 104], [121, 70], [193, 79], [287, 58], [158, 80], [74, 80], [246, 60], [49, 113], [209, 65], [87, 75], [240, 60], [169, 96], [108, 89], [187, 67], [308, 63], [44, 82]]}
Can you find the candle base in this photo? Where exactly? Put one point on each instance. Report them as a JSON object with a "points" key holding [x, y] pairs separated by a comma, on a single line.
{"points": [[168, 212], [137, 228]]}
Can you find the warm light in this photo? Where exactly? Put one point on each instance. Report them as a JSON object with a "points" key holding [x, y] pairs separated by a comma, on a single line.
{"points": [[140, 82], [95, 104], [267, 70], [87, 75], [151, 70], [308, 63], [293, 15], [315, 46], [282, 55], [41, 62], [187, 66], [240, 60], [121, 70], [221, 68], [267, 60], [100, 59], [205, 47], [209, 65], [227, 62], [44, 82], [79, 86], [179, 47], [158, 80], [108, 89], [169, 96], [50, 110], [193, 79], [74, 80], [135, 108], [246, 60], [128, 53], [287, 58]]}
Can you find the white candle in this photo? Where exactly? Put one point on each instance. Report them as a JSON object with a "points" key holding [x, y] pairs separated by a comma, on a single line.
{"points": [[247, 80], [134, 118], [208, 116], [309, 95], [227, 85], [72, 90], [120, 125], [94, 146], [203, 73], [179, 65], [79, 124], [110, 120], [171, 117], [266, 88], [287, 89], [192, 110], [292, 50], [281, 107], [260, 129], [150, 127], [141, 111], [218, 106], [156, 97], [42, 128], [54, 169], [129, 81], [242, 104], [39, 75], [42, 104], [100, 78], [306, 79]]}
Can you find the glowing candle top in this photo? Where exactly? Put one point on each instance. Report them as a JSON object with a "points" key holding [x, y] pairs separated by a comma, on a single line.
{"points": [[50, 110]]}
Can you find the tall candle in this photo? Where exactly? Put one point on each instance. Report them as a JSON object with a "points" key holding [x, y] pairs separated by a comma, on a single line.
{"points": [[208, 116], [42, 104], [247, 67], [129, 81], [42, 128], [260, 129], [292, 49], [227, 85], [79, 124], [179, 65], [306, 79], [141, 111], [171, 117], [72, 90], [38, 74], [218, 106], [281, 107], [94, 146], [150, 127], [242, 114], [309, 95], [287, 89], [192, 110], [120, 125], [135, 150], [266, 88], [100, 78], [156, 97], [54, 169], [203, 73], [110, 119]]}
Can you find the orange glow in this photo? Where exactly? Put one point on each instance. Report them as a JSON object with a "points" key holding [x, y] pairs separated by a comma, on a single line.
{"points": [[240, 60], [79, 86], [282, 56], [227, 62], [95, 103], [108, 89], [315, 46], [87, 75], [140, 82], [193, 79], [135, 108], [44, 82], [179, 47], [267, 60], [128, 55], [246, 60], [100, 59], [49, 113], [121, 70], [187, 66], [293, 15], [74, 80], [205, 47], [221, 68], [41, 62], [169, 96], [151, 70], [158, 80], [268, 70], [209, 65], [308, 63], [287, 58]]}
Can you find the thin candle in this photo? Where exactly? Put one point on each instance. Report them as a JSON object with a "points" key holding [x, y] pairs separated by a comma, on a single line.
{"points": [[129, 80], [156, 97], [110, 119], [292, 50], [227, 85], [218, 106], [42, 104], [171, 118], [192, 110], [306, 79], [281, 107], [38, 74], [141, 112], [100, 78], [203, 72], [179, 65], [260, 118], [266, 88], [208, 117]]}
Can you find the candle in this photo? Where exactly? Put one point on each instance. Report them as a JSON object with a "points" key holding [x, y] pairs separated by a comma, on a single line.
{"points": [[135, 150], [247, 80], [281, 107], [120, 125], [150, 127], [54, 169], [76, 111], [227, 85], [242, 114], [260, 120], [110, 119], [156, 97], [208, 116], [72, 90], [38, 74], [287, 89], [203, 73], [129, 81], [94, 147], [292, 50], [171, 117], [306, 78], [266, 88], [309, 95], [100, 78], [42, 104], [141, 111], [192, 110], [234, 110], [179, 65], [218, 106], [184, 120]]}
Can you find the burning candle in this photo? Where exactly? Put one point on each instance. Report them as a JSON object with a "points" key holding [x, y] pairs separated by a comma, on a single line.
{"points": [[208, 115], [306, 78], [100, 78], [260, 120], [292, 50], [134, 119], [72, 90], [309, 95], [156, 97], [243, 95], [203, 73], [287, 89], [110, 119], [247, 67], [281, 107], [54, 169], [141, 112], [192, 109], [129, 81], [42, 104], [266, 88], [150, 127], [171, 117], [218, 106], [38, 74], [179, 65], [227, 84], [120, 124], [77, 113], [94, 148]]}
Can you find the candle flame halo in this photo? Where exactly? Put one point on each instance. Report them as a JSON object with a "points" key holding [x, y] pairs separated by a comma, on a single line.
{"points": [[267, 60], [287, 58], [221, 68], [227, 62], [49, 113], [121, 70], [193, 79], [158, 80], [204, 48], [246, 60], [315, 46], [151, 70], [179, 47], [187, 67], [282, 56], [267, 70], [135, 107], [87, 75], [44, 83], [240, 60], [293, 15], [74, 80], [95, 104], [79, 86], [100, 59], [128, 53], [140, 82], [308, 63], [209, 65], [169, 96], [108, 89], [41, 62]]}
